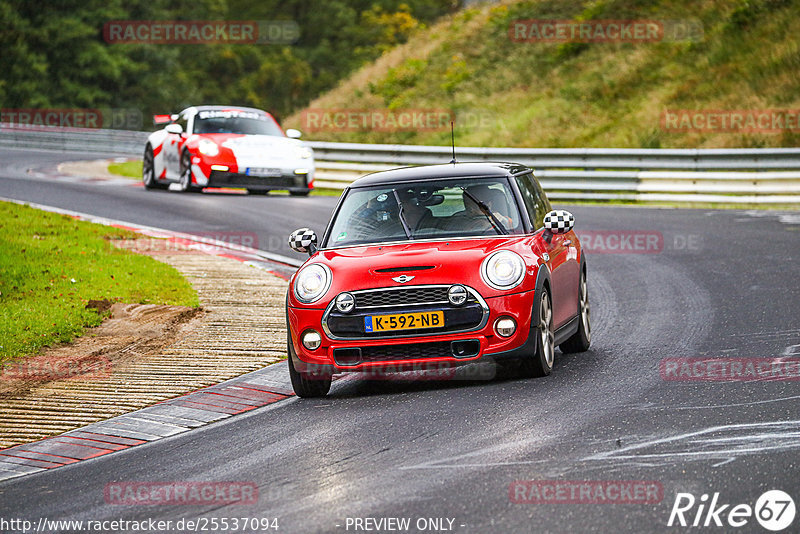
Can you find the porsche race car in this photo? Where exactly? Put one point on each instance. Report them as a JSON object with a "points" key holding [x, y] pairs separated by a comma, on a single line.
{"points": [[224, 146]]}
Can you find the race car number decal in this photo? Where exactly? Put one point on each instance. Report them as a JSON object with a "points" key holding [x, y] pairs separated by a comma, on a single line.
{"points": [[403, 321]]}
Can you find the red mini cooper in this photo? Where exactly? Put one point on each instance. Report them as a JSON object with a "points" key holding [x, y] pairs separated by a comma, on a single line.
{"points": [[437, 265]]}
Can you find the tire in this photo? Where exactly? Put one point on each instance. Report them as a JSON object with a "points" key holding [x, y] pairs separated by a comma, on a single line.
{"points": [[300, 193], [185, 182], [541, 362], [306, 385], [149, 171], [580, 340]]}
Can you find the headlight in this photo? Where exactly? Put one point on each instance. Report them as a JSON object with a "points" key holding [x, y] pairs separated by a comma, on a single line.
{"points": [[305, 152], [503, 270], [312, 283], [208, 147]]}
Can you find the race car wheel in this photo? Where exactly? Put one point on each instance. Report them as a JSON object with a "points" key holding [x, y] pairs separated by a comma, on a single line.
{"points": [[579, 341], [149, 171], [186, 174], [541, 362], [306, 385]]}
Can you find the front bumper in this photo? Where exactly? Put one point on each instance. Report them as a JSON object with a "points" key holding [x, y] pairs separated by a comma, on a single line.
{"points": [[337, 354], [287, 180]]}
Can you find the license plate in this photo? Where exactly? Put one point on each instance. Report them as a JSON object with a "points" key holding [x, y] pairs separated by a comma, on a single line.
{"points": [[263, 171], [403, 321]]}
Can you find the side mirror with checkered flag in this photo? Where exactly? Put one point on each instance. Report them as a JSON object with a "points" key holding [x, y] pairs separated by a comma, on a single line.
{"points": [[303, 240], [559, 221]]}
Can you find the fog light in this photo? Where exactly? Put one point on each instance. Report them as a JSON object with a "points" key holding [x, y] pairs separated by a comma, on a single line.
{"points": [[505, 326], [311, 340], [301, 171], [345, 303], [457, 295], [223, 168]]}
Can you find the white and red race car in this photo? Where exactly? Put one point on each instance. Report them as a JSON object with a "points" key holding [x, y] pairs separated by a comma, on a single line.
{"points": [[225, 146]]}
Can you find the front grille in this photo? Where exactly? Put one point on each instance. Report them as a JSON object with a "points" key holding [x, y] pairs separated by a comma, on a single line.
{"points": [[472, 315], [403, 297], [222, 179], [411, 351], [455, 320]]}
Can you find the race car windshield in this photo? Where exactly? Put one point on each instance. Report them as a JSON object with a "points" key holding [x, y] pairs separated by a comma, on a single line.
{"points": [[235, 123], [436, 209]]}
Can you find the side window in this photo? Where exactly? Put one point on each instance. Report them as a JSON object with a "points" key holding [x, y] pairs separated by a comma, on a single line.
{"points": [[535, 202]]}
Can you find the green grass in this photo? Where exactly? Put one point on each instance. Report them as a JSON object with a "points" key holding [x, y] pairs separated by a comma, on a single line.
{"points": [[51, 265], [129, 169], [536, 94]]}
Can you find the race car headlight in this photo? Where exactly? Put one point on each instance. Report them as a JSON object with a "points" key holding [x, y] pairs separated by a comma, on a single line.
{"points": [[312, 283], [503, 270], [305, 152], [208, 147]]}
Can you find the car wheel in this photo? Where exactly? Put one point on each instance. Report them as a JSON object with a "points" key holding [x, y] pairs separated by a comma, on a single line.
{"points": [[541, 363], [186, 174], [149, 171], [306, 385], [579, 341]]}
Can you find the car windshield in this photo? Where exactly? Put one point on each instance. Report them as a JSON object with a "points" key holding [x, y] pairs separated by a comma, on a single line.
{"points": [[426, 210], [236, 122]]}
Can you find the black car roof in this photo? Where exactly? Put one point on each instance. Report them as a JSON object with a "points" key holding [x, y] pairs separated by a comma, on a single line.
{"points": [[446, 170]]}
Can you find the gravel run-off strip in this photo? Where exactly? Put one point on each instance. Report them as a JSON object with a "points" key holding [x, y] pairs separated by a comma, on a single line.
{"points": [[242, 329]]}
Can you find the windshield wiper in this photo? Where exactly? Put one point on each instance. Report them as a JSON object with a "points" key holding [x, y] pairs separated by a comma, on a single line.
{"points": [[400, 216], [486, 211]]}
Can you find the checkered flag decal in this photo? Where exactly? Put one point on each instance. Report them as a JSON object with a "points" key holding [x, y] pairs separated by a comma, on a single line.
{"points": [[301, 239], [559, 221]]}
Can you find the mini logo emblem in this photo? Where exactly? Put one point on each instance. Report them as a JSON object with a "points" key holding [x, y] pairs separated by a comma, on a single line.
{"points": [[403, 278]]}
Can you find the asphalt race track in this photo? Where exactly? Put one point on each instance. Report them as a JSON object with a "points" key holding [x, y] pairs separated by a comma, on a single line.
{"points": [[718, 284]]}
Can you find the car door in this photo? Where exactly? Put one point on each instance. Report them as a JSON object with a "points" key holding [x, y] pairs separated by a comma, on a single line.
{"points": [[561, 252]]}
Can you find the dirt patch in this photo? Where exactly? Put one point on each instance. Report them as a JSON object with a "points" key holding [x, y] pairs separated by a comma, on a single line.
{"points": [[133, 331]]}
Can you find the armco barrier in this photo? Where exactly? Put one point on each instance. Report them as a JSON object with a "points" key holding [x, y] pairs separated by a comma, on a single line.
{"points": [[762, 175]]}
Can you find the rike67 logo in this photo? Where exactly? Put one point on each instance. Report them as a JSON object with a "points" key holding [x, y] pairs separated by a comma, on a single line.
{"points": [[774, 510]]}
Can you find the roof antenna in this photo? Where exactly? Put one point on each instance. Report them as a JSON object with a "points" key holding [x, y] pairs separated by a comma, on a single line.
{"points": [[453, 140]]}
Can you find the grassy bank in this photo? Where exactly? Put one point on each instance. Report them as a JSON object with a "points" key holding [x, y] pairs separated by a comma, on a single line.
{"points": [[51, 265], [745, 56]]}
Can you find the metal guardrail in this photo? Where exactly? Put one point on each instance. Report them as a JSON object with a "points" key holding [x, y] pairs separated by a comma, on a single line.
{"points": [[762, 175]]}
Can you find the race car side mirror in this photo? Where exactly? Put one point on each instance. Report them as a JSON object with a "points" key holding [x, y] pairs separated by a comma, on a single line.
{"points": [[559, 221], [173, 128], [303, 240]]}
